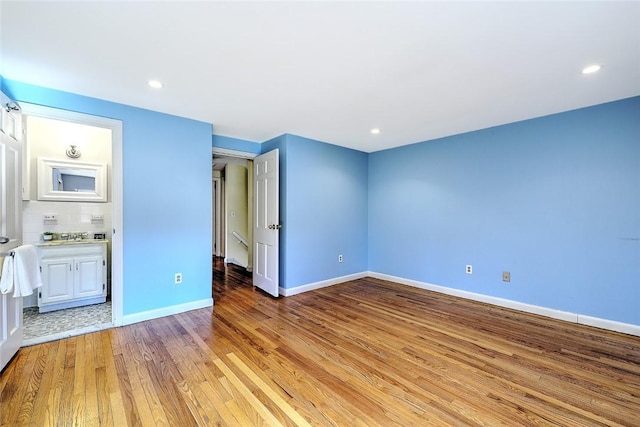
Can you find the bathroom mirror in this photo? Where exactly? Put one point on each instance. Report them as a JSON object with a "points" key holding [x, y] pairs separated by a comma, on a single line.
{"points": [[71, 181]]}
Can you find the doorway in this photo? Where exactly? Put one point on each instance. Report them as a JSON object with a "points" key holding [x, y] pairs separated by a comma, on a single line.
{"points": [[92, 218], [233, 207]]}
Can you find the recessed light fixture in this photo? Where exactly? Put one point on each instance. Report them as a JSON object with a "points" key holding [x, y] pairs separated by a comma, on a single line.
{"points": [[375, 131], [591, 69], [156, 84]]}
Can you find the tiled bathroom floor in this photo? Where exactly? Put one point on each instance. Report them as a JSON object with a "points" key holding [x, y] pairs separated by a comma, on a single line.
{"points": [[42, 327]]}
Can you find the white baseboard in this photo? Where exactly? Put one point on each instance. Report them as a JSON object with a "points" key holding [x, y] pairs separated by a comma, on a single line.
{"points": [[597, 322], [612, 325], [287, 292], [166, 311], [234, 262]]}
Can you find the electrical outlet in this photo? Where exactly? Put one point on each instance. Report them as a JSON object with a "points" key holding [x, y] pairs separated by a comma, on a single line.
{"points": [[469, 269], [50, 219], [340, 259], [506, 276], [178, 278]]}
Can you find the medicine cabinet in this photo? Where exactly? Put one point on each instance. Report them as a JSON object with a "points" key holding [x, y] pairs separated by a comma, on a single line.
{"points": [[71, 181]]}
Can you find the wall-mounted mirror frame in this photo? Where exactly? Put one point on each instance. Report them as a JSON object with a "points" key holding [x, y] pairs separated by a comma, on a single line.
{"points": [[49, 189]]}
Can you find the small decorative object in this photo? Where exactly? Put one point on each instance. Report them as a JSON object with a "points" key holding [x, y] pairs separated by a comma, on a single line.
{"points": [[47, 236], [11, 106], [73, 152]]}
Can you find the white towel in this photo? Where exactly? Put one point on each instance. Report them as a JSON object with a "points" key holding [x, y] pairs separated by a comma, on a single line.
{"points": [[27, 275], [6, 279], [21, 273]]}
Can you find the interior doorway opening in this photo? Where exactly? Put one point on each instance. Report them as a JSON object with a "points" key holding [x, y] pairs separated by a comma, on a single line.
{"points": [[233, 207], [109, 221]]}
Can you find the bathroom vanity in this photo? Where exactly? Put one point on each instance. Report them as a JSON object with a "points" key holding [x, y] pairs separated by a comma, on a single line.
{"points": [[74, 273]]}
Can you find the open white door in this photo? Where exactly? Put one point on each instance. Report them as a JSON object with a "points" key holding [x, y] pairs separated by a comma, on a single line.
{"points": [[266, 231], [10, 222]]}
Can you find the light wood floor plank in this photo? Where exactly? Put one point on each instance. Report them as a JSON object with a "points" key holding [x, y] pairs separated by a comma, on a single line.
{"points": [[363, 353]]}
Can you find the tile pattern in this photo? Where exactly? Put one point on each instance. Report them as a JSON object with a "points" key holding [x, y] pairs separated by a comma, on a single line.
{"points": [[40, 327], [71, 217]]}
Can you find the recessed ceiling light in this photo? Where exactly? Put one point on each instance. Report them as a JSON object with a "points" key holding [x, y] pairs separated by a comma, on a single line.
{"points": [[155, 84], [591, 69], [375, 131]]}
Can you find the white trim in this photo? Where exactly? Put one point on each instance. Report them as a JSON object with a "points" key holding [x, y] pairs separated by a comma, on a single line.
{"points": [[612, 325], [166, 311], [67, 115], [117, 226], [225, 152], [234, 262], [117, 280], [66, 334], [566, 316], [287, 292]]}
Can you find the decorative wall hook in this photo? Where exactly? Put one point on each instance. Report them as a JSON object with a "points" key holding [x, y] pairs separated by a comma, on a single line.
{"points": [[73, 152]]}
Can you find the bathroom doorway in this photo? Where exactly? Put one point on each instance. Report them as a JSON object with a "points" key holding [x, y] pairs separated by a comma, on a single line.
{"points": [[70, 134]]}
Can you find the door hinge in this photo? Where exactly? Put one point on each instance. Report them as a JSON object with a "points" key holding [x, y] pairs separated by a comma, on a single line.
{"points": [[40, 269], [104, 286], [103, 262], [39, 294]]}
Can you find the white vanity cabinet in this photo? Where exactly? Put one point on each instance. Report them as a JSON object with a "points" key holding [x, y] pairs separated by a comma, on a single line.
{"points": [[73, 274]]}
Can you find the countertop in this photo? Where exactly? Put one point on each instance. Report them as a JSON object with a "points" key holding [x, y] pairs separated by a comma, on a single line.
{"points": [[71, 242]]}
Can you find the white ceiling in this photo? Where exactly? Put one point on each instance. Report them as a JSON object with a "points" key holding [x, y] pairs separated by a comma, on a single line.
{"points": [[331, 71]]}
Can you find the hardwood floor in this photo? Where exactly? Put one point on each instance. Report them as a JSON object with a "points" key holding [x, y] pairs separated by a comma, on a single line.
{"points": [[367, 352]]}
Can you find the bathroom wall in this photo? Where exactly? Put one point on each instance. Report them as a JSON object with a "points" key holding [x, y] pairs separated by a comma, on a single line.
{"points": [[51, 138]]}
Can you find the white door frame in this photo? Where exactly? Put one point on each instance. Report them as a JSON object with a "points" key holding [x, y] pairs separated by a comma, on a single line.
{"points": [[218, 218], [116, 191]]}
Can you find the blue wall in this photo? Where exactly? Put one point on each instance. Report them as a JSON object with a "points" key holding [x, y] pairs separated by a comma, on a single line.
{"points": [[326, 211], [220, 141], [167, 198], [323, 210], [554, 200]]}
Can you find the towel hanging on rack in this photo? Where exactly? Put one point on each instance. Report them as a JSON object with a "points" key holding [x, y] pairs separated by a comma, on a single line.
{"points": [[6, 276], [20, 272]]}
